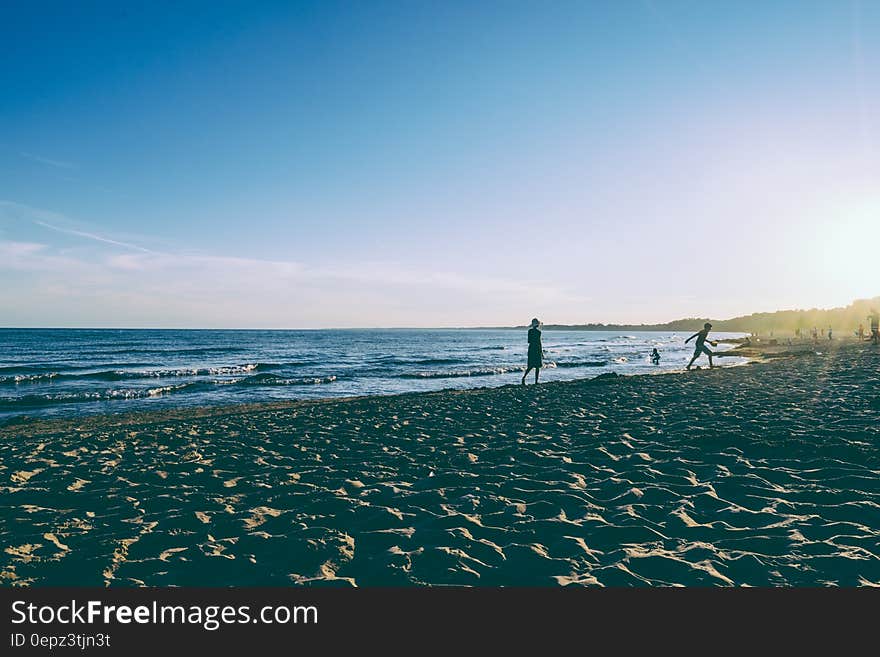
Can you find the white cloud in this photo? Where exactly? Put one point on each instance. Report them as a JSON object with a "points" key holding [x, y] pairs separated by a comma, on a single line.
{"points": [[31, 256], [19, 249], [104, 281]]}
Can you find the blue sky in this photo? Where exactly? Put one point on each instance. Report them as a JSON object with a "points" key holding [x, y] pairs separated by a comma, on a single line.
{"points": [[435, 164]]}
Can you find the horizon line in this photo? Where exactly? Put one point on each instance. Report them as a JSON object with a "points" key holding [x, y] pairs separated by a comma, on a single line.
{"points": [[434, 328], [320, 328]]}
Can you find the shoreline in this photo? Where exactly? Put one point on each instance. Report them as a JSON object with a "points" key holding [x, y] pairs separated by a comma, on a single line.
{"points": [[755, 354], [187, 372], [37, 426]]}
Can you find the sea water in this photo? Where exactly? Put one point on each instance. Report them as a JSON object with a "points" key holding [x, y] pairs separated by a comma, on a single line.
{"points": [[71, 372]]}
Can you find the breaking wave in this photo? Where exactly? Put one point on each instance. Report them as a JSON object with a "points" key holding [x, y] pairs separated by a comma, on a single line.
{"points": [[451, 374], [123, 375], [274, 380]]}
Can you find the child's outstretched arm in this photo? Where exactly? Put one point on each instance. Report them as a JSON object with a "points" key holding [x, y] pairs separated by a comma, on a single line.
{"points": [[691, 338]]}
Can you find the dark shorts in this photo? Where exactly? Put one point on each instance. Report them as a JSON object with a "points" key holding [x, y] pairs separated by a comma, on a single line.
{"points": [[703, 349]]}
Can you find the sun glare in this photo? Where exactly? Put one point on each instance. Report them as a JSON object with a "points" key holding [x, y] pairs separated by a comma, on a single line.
{"points": [[841, 250]]}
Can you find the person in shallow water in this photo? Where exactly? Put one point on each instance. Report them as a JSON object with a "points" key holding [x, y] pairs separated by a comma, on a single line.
{"points": [[536, 352], [874, 318], [700, 347], [655, 356]]}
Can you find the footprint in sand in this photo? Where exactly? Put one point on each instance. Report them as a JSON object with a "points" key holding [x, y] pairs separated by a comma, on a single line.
{"points": [[259, 515], [22, 476]]}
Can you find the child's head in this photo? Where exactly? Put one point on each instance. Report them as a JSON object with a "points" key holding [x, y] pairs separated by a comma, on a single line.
{"points": [[707, 326]]}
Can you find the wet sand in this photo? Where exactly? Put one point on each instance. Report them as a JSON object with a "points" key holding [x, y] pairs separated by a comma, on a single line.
{"points": [[765, 474]]}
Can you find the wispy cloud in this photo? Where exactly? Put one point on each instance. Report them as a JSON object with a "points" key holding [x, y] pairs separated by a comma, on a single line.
{"points": [[37, 258], [51, 220], [18, 249], [93, 236], [111, 282], [58, 164], [147, 289]]}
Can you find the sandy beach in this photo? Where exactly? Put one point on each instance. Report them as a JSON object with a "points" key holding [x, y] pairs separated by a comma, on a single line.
{"points": [[765, 474]]}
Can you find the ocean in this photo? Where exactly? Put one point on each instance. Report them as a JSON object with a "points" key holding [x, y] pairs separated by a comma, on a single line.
{"points": [[72, 372]]}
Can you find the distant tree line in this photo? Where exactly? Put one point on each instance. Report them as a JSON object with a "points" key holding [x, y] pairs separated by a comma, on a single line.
{"points": [[782, 321]]}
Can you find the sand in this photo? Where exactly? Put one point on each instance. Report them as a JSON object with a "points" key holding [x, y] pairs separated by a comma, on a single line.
{"points": [[765, 474]]}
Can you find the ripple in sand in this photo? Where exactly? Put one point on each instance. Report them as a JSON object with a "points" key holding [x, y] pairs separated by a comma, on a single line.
{"points": [[22, 476]]}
